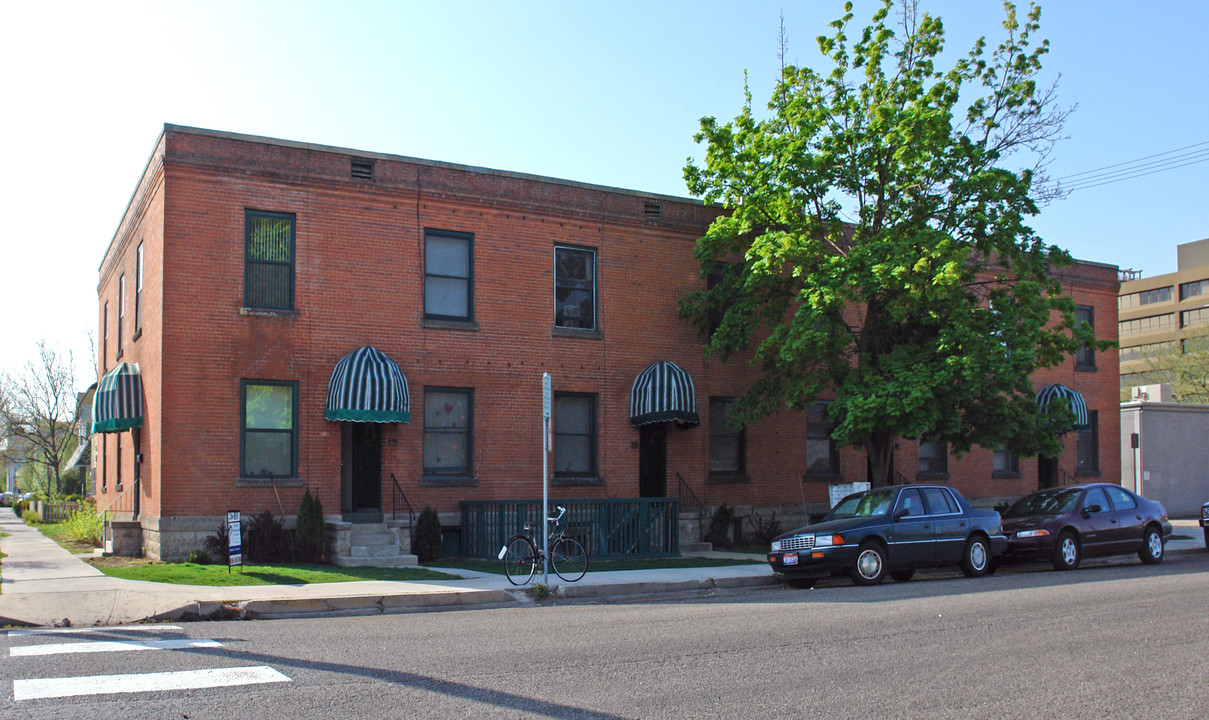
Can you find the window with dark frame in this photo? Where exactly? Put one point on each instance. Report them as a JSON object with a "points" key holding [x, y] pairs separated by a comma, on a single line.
{"points": [[448, 432], [104, 465], [574, 435], [105, 339], [1005, 461], [121, 310], [448, 275], [269, 429], [575, 287], [822, 455], [1087, 445], [138, 291], [727, 445], [933, 458], [268, 260], [1085, 356], [117, 471]]}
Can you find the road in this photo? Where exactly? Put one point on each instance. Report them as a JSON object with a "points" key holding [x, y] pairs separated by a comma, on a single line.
{"points": [[1115, 639]]}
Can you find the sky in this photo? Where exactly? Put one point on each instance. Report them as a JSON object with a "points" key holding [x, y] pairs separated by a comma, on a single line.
{"points": [[609, 93]]}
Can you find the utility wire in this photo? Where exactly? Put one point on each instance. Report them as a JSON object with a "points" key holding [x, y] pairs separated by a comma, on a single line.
{"points": [[1149, 165]]}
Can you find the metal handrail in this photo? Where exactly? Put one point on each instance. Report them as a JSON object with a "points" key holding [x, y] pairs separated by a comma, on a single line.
{"points": [[682, 487], [397, 491], [117, 497]]}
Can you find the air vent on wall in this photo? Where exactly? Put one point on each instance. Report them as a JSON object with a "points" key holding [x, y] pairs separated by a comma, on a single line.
{"points": [[652, 210], [362, 169]]}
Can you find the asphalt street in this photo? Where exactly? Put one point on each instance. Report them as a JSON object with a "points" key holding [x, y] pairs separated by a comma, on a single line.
{"points": [[1114, 639]]}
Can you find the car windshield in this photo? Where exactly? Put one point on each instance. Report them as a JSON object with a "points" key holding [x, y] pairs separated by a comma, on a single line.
{"points": [[845, 508], [874, 502], [1050, 502]]}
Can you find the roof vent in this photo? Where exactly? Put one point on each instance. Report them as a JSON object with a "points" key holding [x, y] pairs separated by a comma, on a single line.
{"points": [[362, 169], [652, 210]]}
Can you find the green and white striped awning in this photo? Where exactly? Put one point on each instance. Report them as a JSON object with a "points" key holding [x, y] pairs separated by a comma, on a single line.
{"points": [[117, 404], [1073, 399], [367, 386], [663, 393]]}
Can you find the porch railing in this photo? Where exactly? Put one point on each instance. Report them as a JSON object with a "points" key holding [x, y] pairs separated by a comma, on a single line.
{"points": [[689, 498], [608, 528], [396, 493]]}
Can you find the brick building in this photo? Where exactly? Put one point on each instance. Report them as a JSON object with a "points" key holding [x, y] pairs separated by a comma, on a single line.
{"points": [[249, 274]]}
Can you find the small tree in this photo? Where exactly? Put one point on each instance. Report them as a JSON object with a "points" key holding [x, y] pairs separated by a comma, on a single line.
{"points": [[311, 542], [38, 412], [428, 535]]}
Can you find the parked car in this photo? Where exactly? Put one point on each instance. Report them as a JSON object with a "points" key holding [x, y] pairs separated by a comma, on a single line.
{"points": [[1205, 523], [892, 530], [844, 508], [6, 498], [1064, 525]]}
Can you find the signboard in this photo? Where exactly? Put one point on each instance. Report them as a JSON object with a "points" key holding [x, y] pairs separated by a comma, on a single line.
{"points": [[839, 491], [234, 539], [546, 395]]}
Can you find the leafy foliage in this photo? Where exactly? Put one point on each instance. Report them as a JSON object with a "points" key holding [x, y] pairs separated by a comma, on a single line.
{"points": [[199, 557], [311, 531], [875, 245], [266, 540], [31, 517], [720, 526], [216, 544], [763, 529], [428, 535], [1185, 366], [85, 525]]}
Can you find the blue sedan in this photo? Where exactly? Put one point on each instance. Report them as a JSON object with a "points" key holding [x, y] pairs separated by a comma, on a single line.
{"points": [[893, 530]]}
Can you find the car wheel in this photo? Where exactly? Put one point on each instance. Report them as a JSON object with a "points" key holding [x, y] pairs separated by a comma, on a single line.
{"points": [[801, 583], [870, 566], [1152, 547], [1067, 552], [902, 575], [977, 557]]}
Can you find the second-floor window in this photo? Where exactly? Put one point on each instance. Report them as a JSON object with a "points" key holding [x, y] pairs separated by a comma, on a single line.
{"points": [[448, 275], [575, 288], [268, 260], [121, 310], [1085, 356], [138, 290]]}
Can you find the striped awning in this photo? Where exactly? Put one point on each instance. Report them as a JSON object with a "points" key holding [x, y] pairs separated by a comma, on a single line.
{"points": [[117, 404], [663, 393], [367, 386], [1073, 399]]}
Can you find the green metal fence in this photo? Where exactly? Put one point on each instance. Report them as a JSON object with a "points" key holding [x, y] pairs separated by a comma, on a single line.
{"points": [[608, 528]]}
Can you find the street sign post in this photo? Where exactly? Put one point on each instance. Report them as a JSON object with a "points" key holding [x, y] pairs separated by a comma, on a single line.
{"points": [[547, 402], [234, 540]]}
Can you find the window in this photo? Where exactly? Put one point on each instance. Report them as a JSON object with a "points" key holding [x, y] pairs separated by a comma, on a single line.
{"points": [[1154, 323], [1087, 445], [104, 464], [933, 458], [138, 291], [270, 428], [1096, 496], [1189, 318], [940, 501], [1192, 289], [574, 288], [121, 309], [448, 275], [1006, 462], [1121, 500], [105, 339], [1085, 356], [822, 457], [269, 260], [727, 445], [574, 435], [1148, 297], [448, 431], [910, 504], [1147, 350], [117, 471]]}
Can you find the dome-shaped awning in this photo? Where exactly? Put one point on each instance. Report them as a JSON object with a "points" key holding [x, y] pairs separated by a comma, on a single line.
{"points": [[367, 386], [117, 404], [1073, 399], [663, 393]]}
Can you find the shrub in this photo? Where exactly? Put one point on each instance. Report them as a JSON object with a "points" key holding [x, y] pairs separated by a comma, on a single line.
{"points": [[31, 517], [216, 544], [764, 530], [719, 526], [20, 507], [266, 540], [199, 557], [428, 535], [85, 525], [311, 534]]}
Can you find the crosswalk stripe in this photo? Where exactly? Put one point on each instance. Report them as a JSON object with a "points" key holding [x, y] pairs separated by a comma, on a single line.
{"points": [[110, 646], [147, 682], [100, 629]]}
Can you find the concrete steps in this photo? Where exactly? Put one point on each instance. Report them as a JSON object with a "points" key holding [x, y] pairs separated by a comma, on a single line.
{"points": [[369, 545]]}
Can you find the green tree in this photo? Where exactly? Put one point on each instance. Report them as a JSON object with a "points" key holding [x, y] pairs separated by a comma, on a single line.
{"points": [[38, 412], [874, 241], [1183, 365]]}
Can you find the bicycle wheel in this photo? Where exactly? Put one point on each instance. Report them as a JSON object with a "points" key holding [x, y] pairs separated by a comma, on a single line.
{"points": [[569, 559], [520, 559]]}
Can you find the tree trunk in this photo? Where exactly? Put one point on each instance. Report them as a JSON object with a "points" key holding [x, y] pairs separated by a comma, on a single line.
{"points": [[880, 448]]}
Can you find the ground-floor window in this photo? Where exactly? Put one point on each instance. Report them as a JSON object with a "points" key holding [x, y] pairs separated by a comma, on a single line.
{"points": [[1006, 462], [448, 431], [269, 432], [1087, 445], [574, 435], [933, 458]]}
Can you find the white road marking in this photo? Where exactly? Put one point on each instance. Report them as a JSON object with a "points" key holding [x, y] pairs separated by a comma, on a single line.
{"points": [[110, 646], [97, 629], [148, 682]]}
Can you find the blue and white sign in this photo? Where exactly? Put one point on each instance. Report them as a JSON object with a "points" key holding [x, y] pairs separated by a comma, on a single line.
{"points": [[234, 540]]}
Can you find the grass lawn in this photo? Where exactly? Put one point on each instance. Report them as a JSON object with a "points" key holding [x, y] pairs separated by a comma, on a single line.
{"points": [[58, 533], [283, 574], [497, 567]]}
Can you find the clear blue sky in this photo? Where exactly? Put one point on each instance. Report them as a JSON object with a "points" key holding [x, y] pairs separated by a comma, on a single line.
{"points": [[606, 93]]}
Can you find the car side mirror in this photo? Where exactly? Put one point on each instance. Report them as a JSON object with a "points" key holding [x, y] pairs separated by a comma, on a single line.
{"points": [[899, 514], [1093, 508]]}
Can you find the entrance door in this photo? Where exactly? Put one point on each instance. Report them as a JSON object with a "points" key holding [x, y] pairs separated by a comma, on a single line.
{"points": [[1047, 472], [361, 461], [652, 460]]}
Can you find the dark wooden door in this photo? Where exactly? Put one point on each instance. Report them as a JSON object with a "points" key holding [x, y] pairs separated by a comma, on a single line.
{"points": [[652, 460]]}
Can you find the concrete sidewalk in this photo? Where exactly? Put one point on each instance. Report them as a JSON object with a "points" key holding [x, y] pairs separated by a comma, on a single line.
{"points": [[45, 585]]}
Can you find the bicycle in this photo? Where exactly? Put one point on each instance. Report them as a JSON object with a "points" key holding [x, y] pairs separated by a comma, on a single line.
{"points": [[522, 556]]}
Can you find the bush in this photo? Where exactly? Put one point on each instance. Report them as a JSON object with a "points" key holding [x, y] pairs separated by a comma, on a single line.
{"points": [[428, 535], [85, 525], [199, 557], [31, 517], [764, 530], [266, 540], [311, 534], [20, 507], [216, 544], [719, 526]]}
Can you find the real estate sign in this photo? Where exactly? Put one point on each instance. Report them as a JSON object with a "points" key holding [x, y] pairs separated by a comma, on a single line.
{"points": [[234, 540]]}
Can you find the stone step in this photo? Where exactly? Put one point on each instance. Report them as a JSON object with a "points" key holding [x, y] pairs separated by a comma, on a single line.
{"points": [[359, 529], [386, 561], [374, 550], [378, 538]]}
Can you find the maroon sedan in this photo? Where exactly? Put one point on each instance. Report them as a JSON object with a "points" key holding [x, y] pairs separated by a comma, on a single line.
{"points": [[1066, 524]]}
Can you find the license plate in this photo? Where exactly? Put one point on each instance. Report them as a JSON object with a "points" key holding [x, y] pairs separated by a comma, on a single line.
{"points": [[790, 558]]}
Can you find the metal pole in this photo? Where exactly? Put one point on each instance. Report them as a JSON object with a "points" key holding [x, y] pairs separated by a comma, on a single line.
{"points": [[546, 402]]}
